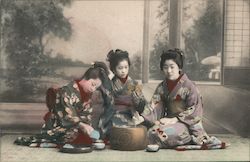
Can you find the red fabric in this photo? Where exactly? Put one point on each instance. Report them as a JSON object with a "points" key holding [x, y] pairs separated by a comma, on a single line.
{"points": [[223, 145], [84, 96], [204, 147], [82, 138], [180, 149], [123, 80], [47, 116], [178, 98], [51, 97], [172, 83], [106, 141]]}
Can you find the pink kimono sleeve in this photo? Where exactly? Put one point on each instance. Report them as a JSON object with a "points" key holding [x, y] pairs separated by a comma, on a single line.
{"points": [[153, 111], [193, 112]]}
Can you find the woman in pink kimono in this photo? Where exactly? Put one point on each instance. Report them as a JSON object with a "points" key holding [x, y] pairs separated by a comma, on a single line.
{"points": [[176, 109], [129, 101], [69, 120]]}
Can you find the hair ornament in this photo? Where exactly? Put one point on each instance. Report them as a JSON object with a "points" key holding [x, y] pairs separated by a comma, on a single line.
{"points": [[179, 51], [92, 65]]}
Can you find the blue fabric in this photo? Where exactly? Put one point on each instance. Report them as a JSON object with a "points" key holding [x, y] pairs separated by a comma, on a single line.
{"points": [[94, 134]]}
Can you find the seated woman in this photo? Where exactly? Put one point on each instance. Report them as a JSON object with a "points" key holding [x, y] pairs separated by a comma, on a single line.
{"points": [[176, 109], [69, 120], [129, 101], [126, 134]]}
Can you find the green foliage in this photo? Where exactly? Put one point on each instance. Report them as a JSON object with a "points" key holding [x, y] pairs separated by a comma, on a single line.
{"points": [[161, 42], [203, 39], [59, 61], [136, 66], [207, 31], [26, 24], [154, 60]]}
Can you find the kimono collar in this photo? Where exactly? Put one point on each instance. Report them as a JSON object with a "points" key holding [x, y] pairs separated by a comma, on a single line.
{"points": [[84, 96], [179, 83], [123, 80], [118, 86], [172, 83]]}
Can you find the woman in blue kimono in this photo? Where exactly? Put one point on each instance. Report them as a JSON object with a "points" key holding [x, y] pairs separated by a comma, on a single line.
{"points": [[69, 120], [176, 109], [129, 101]]}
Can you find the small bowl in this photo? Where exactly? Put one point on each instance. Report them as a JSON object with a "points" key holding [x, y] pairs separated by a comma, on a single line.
{"points": [[68, 146], [152, 148], [99, 146], [74, 149]]}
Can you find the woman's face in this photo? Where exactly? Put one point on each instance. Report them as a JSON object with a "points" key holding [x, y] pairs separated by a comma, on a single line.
{"points": [[91, 85], [121, 70], [171, 69]]}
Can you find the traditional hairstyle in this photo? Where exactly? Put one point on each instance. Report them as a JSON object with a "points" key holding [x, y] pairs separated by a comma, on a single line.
{"points": [[175, 54], [97, 70], [115, 57]]}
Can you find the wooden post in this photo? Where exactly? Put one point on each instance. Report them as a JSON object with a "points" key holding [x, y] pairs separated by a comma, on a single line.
{"points": [[1, 33], [175, 23], [145, 48]]}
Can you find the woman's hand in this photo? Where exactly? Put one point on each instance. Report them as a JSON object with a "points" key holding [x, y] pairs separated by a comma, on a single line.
{"points": [[85, 128], [137, 119], [167, 121]]}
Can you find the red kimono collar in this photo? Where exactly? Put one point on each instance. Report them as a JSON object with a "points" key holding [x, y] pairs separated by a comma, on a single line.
{"points": [[172, 83], [123, 80]]}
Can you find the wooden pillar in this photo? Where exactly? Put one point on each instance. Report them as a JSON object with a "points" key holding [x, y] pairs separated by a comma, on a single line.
{"points": [[175, 23], [1, 42], [1, 32], [145, 48]]}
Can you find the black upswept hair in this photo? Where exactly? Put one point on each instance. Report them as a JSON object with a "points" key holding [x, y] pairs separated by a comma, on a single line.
{"points": [[175, 54], [114, 57], [96, 71]]}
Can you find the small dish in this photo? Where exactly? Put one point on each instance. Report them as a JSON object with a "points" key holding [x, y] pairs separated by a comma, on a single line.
{"points": [[74, 149], [152, 148], [99, 145]]}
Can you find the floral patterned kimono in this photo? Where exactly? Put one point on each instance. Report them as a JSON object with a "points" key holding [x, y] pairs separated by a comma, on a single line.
{"points": [[129, 102], [183, 102], [62, 121]]}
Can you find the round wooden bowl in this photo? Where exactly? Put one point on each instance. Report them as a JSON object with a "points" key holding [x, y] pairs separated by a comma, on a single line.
{"points": [[129, 138]]}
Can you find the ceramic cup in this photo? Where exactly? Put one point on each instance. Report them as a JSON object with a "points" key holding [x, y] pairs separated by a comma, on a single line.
{"points": [[99, 146], [152, 148]]}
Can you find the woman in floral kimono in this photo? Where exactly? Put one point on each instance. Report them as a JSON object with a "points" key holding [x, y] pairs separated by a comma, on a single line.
{"points": [[129, 101], [176, 109], [69, 120]]}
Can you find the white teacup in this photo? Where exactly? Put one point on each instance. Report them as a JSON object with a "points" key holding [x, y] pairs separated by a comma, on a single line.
{"points": [[152, 148], [99, 145]]}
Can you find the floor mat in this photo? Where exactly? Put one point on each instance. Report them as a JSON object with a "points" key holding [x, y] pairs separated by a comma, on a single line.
{"points": [[238, 151]]}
